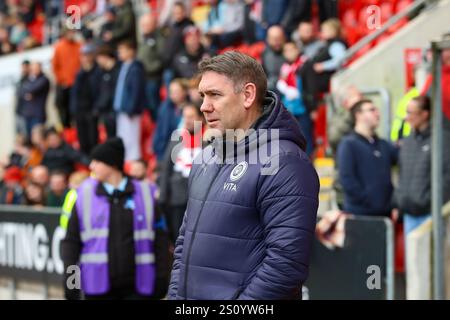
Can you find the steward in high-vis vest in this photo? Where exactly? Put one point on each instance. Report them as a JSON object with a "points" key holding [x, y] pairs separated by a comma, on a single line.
{"points": [[400, 128], [115, 234], [69, 203]]}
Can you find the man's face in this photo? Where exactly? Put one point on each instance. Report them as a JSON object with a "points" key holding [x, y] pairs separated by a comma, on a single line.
{"points": [[87, 60], [53, 141], [192, 43], [101, 60], [305, 31], [40, 176], [191, 119], [222, 107], [327, 32], [148, 24], [138, 170], [177, 93], [353, 95], [276, 38], [446, 57], [35, 69], [369, 116], [290, 52], [58, 183], [125, 53], [415, 116], [178, 13], [101, 170], [25, 69]]}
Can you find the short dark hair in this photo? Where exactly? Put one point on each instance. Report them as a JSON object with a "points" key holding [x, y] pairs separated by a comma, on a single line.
{"points": [[194, 106], [239, 68], [143, 162], [49, 131], [130, 44], [106, 50], [180, 4], [423, 102], [357, 108], [58, 172]]}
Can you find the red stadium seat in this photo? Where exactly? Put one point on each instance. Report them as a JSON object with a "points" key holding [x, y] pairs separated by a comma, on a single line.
{"points": [[402, 5], [387, 11]]}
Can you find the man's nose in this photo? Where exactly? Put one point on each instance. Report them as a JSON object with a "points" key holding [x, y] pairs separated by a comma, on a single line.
{"points": [[206, 106]]}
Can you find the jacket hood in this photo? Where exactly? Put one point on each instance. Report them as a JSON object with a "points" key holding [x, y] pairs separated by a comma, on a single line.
{"points": [[276, 122], [276, 116]]}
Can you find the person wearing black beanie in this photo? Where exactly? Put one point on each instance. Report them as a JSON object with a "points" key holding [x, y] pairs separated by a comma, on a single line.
{"points": [[135, 262], [111, 152]]}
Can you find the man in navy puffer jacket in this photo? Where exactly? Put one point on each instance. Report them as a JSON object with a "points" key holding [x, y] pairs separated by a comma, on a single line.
{"points": [[253, 193]]}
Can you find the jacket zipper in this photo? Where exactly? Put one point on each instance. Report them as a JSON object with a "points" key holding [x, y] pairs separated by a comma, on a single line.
{"points": [[194, 232]]}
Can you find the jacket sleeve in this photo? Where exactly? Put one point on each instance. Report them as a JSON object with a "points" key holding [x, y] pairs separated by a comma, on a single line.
{"points": [[73, 98], [40, 85], [175, 275], [70, 253], [76, 156], [57, 66], [287, 203], [135, 89], [164, 177], [162, 254], [346, 167], [125, 26]]}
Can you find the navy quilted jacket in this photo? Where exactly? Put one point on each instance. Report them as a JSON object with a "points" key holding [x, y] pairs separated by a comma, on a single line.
{"points": [[247, 234]]}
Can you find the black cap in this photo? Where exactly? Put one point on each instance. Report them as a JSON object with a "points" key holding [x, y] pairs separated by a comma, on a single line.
{"points": [[111, 152]]}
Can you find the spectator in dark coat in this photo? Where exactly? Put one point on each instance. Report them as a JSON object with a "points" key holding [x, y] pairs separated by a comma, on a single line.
{"points": [[317, 72], [57, 189], [83, 95], [169, 117], [59, 155], [20, 120], [109, 16], [272, 57], [365, 163], [103, 104], [150, 53], [174, 38], [185, 63], [124, 26], [413, 195], [225, 28], [248, 228], [306, 39], [34, 92], [176, 166]]}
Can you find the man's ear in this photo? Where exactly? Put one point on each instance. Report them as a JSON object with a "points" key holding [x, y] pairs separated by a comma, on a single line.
{"points": [[249, 91]]}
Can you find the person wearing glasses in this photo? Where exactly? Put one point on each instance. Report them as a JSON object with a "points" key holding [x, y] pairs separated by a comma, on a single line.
{"points": [[365, 162]]}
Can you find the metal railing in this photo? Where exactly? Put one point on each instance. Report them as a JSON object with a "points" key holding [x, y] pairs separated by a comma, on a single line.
{"points": [[392, 21], [437, 171], [385, 106]]}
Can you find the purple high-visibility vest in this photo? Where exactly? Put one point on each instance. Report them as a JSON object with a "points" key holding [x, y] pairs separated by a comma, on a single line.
{"points": [[93, 213]]}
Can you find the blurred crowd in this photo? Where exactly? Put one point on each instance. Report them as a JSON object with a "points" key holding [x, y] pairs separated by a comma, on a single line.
{"points": [[134, 76]]}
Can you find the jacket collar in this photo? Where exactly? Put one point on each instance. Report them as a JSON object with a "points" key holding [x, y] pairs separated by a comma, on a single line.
{"points": [[128, 191], [423, 134]]}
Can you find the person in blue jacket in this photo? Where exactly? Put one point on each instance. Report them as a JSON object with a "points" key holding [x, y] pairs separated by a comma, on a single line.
{"points": [[129, 99], [249, 224]]}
